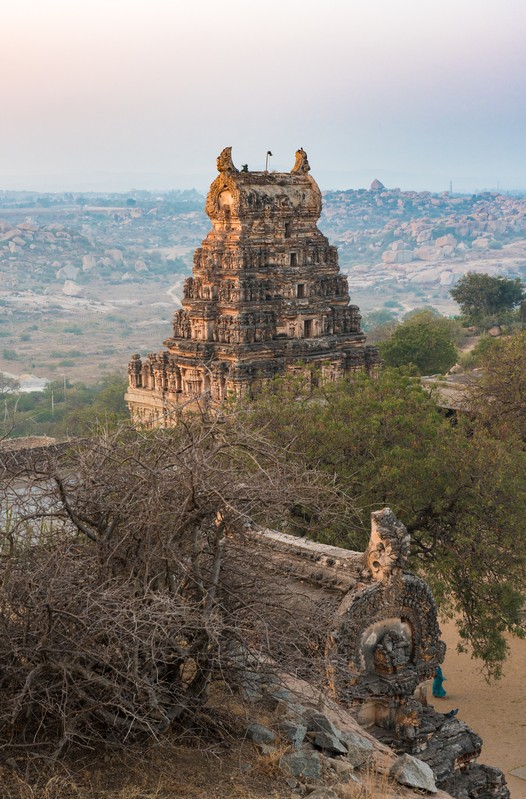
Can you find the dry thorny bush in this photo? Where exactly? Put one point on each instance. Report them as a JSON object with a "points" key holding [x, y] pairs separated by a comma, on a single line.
{"points": [[129, 584]]}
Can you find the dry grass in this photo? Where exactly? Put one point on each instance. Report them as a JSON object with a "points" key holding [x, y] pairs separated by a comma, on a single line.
{"points": [[168, 773]]}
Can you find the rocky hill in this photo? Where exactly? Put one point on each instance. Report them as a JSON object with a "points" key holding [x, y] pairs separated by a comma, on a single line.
{"points": [[112, 266], [422, 241]]}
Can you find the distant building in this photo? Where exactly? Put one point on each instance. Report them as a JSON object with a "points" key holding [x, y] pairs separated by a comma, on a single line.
{"points": [[266, 296]]}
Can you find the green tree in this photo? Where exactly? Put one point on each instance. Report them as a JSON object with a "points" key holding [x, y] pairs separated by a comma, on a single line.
{"points": [[498, 394], [425, 341], [70, 410], [485, 300], [377, 318], [461, 494], [8, 385]]}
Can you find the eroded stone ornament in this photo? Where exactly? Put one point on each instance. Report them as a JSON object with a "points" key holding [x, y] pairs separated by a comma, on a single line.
{"points": [[224, 161], [388, 550], [301, 164]]}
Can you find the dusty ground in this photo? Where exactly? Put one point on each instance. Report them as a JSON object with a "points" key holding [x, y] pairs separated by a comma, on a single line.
{"points": [[52, 336], [496, 712]]}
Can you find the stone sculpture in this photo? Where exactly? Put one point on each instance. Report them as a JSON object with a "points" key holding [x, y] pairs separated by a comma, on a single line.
{"points": [[383, 646]]}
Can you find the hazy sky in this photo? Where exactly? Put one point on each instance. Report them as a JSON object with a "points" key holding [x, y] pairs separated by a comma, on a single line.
{"points": [[115, 94]]}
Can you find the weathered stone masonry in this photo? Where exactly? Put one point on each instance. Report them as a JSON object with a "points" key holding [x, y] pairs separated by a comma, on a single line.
{"points": [[382, 646], [266, 295]]}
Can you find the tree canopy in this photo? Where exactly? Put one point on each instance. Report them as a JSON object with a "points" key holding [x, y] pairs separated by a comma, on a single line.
{"points": [[460, 492], [485, 299], [63, 409], [498, 394], [425, 340]]}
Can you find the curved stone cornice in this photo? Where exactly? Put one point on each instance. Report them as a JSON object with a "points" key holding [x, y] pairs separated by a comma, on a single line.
{"points": [[246, 195]]}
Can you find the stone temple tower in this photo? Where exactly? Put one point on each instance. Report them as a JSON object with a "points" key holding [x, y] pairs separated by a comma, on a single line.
{"points": [[266, 296]]}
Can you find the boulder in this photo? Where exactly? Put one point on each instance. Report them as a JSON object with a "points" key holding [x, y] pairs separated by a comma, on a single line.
{"points": [[318, 722], [294, 731], [343, 769], [359, 749], [329, 743], [260, 734], [303, 763], [408, 770], [397, 256], [446, 241], [88, 262], [114, 254], [423, 235], [428, 254], [72, 289], [68, 272]]}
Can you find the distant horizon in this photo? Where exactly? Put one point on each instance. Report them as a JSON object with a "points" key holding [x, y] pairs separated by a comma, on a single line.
{"points": [[360, 179]]}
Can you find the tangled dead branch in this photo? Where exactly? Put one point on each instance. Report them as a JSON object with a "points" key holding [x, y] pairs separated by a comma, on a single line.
{"points": [[128, 583]]}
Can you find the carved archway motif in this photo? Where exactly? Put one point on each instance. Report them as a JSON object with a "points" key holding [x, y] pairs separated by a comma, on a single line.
{"points": [[405, 610]]}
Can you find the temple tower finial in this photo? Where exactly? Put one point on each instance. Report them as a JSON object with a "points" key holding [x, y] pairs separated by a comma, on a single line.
{"points": [[224, 161], [301, 164]]}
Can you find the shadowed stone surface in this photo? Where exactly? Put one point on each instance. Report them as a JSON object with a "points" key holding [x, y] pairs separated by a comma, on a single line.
{"points": [[293, 731], [260, 734], [410, 771], [305, 763]]}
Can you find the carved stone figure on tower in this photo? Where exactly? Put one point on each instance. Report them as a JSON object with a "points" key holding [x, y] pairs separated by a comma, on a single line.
{"points": [[301, 164]]}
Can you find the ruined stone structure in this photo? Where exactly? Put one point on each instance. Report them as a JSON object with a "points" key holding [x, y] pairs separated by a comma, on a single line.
{"points": [[383, 644], [265, 296]]}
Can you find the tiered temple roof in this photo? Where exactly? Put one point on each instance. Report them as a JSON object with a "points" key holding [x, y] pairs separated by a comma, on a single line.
{"points": [[266, 296]]}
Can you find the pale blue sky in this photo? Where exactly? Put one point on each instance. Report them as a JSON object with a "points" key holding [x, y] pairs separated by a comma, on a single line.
{"points": [[117, 94]]}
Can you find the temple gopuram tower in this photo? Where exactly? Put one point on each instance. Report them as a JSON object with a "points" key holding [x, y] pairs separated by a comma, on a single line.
{"points": [[266, 296]]}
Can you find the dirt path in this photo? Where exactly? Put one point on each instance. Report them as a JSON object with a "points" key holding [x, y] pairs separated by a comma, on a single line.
{"points": [[496, 712]]}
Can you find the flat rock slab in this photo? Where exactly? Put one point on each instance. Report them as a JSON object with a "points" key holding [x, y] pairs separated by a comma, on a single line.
{"points": [[408, 770], [260, 734], [302, 764], [519, 772], [329, 743]]}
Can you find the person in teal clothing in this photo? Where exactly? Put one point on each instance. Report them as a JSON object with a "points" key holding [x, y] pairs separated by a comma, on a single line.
{"points": [[437, 689]]}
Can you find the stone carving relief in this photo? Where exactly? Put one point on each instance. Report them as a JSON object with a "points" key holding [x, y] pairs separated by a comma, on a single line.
{"points": [[388, 550], [386, 639]]}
